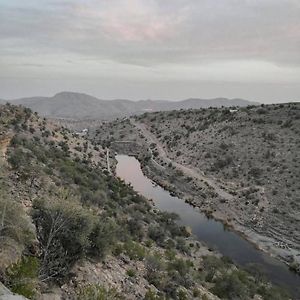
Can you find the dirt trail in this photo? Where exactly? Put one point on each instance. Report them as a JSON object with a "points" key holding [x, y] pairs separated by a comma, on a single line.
{"points": [[107, 161], [186, 170], [4, 143], [270, 240]]}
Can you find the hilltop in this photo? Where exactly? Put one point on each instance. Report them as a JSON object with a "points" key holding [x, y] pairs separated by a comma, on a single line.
{"points": [[69, 105]]}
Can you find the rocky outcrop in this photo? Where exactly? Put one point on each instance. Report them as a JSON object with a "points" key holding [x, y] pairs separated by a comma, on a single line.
{"points": [[6, 294]]}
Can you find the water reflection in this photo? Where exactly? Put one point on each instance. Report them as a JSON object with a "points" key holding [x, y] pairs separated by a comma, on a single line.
{"points": [[210, 231]]}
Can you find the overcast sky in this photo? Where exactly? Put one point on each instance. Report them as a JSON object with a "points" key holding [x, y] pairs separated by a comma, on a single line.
{"points": [[158, 49]]}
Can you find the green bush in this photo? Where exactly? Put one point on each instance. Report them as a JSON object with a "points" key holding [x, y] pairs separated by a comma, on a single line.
{"points": [[103, 237], [181, 266], [273, 293], [131, 273], [23, 277], [234, 285], [96, 292], [151, 295], [63, 230], [134, 250], [212, 265], [16, 229]]}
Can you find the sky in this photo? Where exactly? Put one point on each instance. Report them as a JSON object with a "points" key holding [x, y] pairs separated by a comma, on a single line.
{"points": [[151, 49]]}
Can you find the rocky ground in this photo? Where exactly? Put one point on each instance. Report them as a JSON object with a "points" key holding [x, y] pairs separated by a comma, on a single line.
{"points": [[71, 230]]}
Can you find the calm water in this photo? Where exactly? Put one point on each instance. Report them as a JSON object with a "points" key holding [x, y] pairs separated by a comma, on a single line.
{"points": [[210, 231]]}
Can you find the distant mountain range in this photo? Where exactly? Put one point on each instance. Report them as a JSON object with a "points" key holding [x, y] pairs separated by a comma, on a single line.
{"points": [[69, 105]]}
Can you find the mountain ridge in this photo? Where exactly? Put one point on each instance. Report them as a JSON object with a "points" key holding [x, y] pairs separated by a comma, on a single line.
{"points": [[71, 105]]}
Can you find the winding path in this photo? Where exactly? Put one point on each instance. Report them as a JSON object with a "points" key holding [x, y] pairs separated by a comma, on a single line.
{"points": [[4, 143], [186, 170], [107, 161]]}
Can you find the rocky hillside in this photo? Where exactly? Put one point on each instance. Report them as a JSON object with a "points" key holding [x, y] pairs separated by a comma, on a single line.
{"points": [[253, 151], [71, 230], [239, 164], [68, 105]]}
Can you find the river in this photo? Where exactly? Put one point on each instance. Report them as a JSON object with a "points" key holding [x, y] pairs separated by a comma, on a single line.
{"points": [[212, 232]]}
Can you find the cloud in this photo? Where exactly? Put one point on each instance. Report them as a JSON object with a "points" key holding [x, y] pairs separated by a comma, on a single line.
{"points": [[249, 40], [143, 32], [131, 20]]}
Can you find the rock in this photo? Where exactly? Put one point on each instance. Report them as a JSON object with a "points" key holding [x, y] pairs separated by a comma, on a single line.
{"points": [[6, 294], [50, 297], [125, 259]]}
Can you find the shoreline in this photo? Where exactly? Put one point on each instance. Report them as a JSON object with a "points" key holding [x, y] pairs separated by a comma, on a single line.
{"points": [[260, 242]]}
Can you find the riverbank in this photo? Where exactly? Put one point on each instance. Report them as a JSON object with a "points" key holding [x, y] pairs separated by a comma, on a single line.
{"points": [[200, 195], [222, 214], [208, 230], [253, 172], [259, 208]]}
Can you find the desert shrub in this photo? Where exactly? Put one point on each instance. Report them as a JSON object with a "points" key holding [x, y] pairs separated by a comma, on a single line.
{"points": [[211, 265], [157, 234], [262, 111], [135, 229], [134, 250], [18, 158], [63, 230], [181, 245], [170, 254], [97, 292], [234, 285], [64, 146], [240, 285], [131, 273], [16, 230], [158, 279], [154, 264], [231, 283], [170, 289], [182, 295], [287, 124], [272, 293], [179, 272], [151, 295], [221, 163], [181, 266], [15, 225], [103, 237], [23, 277], [255, 172], [224, 146]]}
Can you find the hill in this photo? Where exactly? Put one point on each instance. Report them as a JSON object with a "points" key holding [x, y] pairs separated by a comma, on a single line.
{"points": [[68, 105], [239, 165], [71, 230]]}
